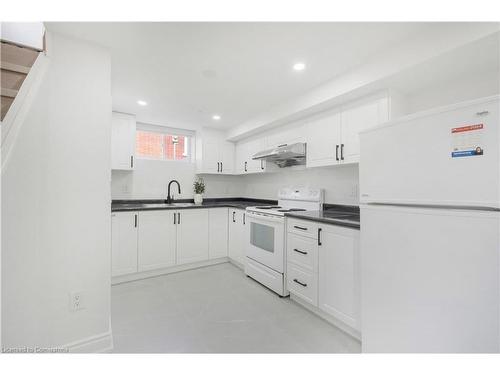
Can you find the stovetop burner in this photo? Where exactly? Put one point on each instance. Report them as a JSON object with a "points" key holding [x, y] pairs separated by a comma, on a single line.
{"points": [[267, 207], [292, 210]]}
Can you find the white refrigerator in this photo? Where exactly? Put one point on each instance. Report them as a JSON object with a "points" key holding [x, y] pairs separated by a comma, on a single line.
{"points": [[430, 230]]}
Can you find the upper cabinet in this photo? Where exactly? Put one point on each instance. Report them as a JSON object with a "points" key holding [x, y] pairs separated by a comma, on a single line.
{"points": [[356, 119], [214, 155], [323, 140], [333, 137], [123, 128], [244, 153]]}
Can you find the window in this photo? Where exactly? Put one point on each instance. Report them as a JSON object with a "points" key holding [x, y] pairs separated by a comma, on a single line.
{"points": [[156, 143]]}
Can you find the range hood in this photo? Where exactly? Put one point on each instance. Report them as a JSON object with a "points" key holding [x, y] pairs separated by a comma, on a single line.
{"points": [[284, 155]]}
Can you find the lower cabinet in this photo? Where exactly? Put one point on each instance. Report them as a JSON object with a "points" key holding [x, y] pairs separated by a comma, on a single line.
{"points": [[339, 274], [157, 240], [124, 243], [238, 235], [217, 232], [150, 240], [323, 269], [192, 236]]}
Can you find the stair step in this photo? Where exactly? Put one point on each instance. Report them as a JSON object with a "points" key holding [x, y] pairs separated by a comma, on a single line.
{"points": [[10, 93], [11, 80], [14, 67], [18, 55], [6, 102]]}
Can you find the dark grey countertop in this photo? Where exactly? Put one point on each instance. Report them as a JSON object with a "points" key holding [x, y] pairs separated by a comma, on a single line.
{"points": [[159, 204], [346, 216]]}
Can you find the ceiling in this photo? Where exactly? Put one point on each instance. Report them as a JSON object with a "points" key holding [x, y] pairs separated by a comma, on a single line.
{"points": [[187, 72]]}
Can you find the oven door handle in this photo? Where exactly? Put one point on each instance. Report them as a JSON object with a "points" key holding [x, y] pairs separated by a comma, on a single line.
{"points": [[264, 218]]}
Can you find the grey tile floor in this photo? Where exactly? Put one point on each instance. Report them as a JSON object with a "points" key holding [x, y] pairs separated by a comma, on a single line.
{"points": [[216, 309]]}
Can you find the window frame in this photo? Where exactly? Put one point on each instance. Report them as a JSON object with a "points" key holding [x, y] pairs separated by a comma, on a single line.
{"points": [[190, 142]]}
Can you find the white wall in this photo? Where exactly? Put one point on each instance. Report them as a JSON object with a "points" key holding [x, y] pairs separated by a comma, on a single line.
{"points": [[468, 87], [150, 178], [339, 182], [56, 205]]}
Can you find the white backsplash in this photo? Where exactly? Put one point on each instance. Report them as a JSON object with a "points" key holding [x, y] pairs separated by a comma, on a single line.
{"points": [[149, 180], [340, 183]]}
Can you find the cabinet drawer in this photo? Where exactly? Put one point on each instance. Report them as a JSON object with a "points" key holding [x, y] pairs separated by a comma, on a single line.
{"points": [[303, 284], [302, 251], [302, 227]]}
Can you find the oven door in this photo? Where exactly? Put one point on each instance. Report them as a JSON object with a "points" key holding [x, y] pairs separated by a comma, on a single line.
{"points": [[266, 240]]}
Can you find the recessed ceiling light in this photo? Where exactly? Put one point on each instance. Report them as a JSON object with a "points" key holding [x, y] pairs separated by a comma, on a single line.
{"points": [[142, 102], [216, 117], [299, 66]]}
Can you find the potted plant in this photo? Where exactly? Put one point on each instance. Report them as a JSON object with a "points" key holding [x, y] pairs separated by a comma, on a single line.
{"points": [[199, 189]]}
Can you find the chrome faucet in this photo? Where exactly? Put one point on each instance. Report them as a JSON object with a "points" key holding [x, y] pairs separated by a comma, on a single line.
{"points": [[170, 198]]}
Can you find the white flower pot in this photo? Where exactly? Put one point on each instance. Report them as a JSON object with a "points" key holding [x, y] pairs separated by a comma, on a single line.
{"points": [[198, 199]]}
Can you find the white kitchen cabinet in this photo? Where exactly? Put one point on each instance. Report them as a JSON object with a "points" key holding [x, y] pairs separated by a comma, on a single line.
{"points": [[339, 274], [302, 283], [214, 155], [323, 269], [192, 235], [123, 243], [333, 137], [244, 153], [356, 119], [217, 232], [323, 140], [288, 134], [157, 240], [123, 128], [238, 235]]}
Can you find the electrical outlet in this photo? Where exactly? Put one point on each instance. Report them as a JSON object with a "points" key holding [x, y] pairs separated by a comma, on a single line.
{"points": [[76, 301]]}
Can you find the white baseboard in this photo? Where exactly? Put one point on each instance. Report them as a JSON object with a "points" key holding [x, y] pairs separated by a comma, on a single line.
{"points": [[236, 263], [165, 271], [330, 319], [102, 343]]}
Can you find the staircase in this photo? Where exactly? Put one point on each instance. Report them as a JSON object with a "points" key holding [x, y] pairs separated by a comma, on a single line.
{"points": [[16, 62]]}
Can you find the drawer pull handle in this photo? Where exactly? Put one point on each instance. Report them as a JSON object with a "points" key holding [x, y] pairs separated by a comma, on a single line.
{"points": [[298, 282], [300, 251], [301, 228]]}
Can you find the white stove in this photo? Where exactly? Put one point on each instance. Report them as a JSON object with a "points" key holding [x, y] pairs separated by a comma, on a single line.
{"points": [[265, 252], [292, 200]]}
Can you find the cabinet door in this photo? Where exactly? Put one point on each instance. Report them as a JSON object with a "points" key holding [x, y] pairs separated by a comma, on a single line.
{"points": [[237, 238], [323, 140], [122, 141], [211, 156], [192, 236], [157, 239], [217, 232], [241, 161], [244, 235], [254, 146], [227, 157], [339, 282], [357, 119], [123, 243]]}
